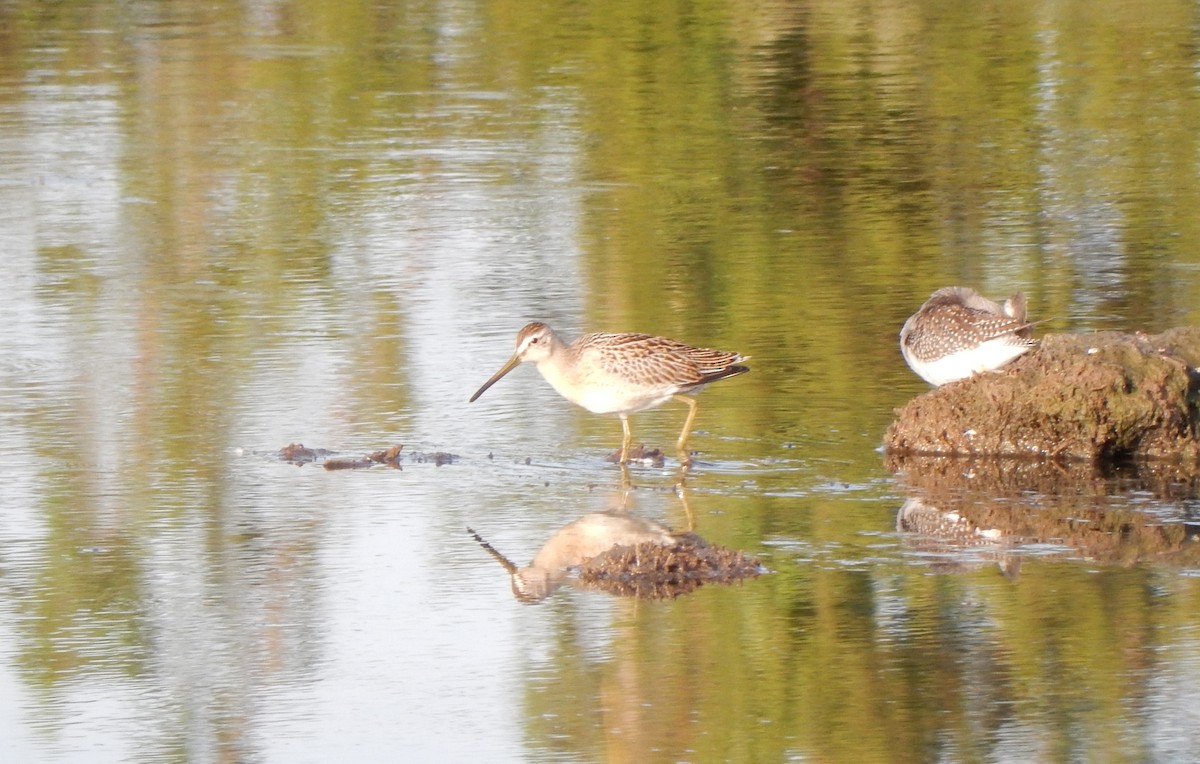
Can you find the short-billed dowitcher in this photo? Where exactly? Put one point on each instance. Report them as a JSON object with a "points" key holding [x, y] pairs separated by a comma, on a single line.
{"points": [[958, 332], [621, 373]]}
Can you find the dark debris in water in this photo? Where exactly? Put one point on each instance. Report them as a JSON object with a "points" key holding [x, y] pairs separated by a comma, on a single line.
{"points": [[650, 457], [298, 454], [388, 456], [664, 571], [437, 458]]}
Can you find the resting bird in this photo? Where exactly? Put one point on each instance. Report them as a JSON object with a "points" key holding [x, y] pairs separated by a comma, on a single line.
{"points": [[958, 333]]}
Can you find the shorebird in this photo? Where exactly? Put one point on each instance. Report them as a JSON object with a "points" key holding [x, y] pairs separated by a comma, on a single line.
{"points": [[621, 373], [958, 333]]}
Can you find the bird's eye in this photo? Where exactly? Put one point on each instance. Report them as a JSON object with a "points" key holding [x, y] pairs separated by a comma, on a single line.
{"points": [[533, 340]]}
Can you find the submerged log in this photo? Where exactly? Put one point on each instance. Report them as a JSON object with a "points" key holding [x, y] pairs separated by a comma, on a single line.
{"points": [[1101, 397]]}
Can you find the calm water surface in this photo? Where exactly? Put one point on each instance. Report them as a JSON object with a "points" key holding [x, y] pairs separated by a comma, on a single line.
{"points": [[227, 227]]}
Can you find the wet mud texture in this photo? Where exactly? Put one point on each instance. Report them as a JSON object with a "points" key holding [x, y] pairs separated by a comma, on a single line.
{"points": [[1101, 397], [665, 571]]}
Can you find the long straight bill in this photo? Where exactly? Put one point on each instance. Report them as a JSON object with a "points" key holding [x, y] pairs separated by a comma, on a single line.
{"points": [[506, 368]]}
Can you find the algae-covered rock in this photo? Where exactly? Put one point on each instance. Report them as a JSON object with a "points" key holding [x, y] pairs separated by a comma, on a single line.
{"points": [[1101, 397]]}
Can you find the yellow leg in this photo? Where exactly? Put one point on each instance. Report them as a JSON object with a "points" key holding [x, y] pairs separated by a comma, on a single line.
{"points": [[628, 436], [681, 444], [681, 492], [626, 487]]}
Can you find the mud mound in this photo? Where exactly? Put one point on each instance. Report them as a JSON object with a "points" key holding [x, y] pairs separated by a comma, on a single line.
{"points": [[1099, 397]]}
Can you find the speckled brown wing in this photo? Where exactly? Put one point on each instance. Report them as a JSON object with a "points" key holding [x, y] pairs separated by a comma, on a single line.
{"points": [[650, 361], [716, 364], [942, 329]]}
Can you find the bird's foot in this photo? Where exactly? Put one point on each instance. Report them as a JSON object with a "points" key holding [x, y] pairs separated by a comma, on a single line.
{"points": [[639, 455]]}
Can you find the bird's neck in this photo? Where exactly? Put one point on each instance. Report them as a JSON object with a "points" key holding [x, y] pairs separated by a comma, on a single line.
{"points": [[557, 370]]}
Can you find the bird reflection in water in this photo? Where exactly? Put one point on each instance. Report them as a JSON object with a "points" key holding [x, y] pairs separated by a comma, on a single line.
{"points": [[573, 544], [948, 535], [622, 553]]}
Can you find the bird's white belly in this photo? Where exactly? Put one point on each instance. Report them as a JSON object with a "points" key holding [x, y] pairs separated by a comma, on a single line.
{"points": [[599, 396], [988, 356], [606, 400]]}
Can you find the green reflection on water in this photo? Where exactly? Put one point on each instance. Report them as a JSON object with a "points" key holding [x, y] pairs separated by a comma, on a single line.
{"points": [[788, 181]]}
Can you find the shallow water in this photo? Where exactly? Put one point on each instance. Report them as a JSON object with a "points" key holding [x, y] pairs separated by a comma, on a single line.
{"points": [[226, 228]]}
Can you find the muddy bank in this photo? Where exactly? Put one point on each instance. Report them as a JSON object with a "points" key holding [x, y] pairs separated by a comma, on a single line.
{"points": [[1101, 397]]}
